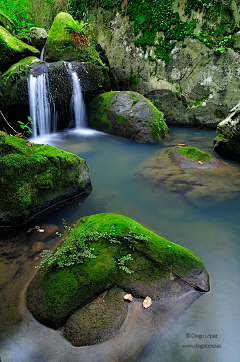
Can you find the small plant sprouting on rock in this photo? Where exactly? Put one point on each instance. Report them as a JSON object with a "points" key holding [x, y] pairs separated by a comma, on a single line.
{"points": [[74, 251], [26, 126], [121, 263], [75, 248]]}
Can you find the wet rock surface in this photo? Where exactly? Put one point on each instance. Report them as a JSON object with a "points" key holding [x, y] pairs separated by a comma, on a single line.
{"points": [[99, 320], [127, 114], [203, 184], [227, 140]]}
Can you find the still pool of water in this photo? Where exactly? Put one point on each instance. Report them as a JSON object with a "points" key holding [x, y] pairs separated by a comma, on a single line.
{"points": [[213, 233]]}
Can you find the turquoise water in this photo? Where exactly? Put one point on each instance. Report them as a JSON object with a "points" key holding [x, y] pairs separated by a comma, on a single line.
{"points": [[212, 232]]}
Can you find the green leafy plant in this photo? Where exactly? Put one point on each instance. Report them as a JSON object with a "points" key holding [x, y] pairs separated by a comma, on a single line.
{"points": [[25, 126], [75, 248], [75, 251], [121, 263]]}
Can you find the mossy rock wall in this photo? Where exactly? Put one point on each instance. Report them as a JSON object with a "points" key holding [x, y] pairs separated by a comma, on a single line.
{"points": [[156, 263], [127, 114], [190, 75], [34, 177]]}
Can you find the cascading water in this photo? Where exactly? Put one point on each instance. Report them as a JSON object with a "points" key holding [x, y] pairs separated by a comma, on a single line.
{"points": [[42, 107], [77, 102], [42, 54]]}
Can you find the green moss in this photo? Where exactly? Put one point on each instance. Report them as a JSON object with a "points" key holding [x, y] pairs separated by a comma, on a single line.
{"points": [[153, 17], [219, 113], [199, 101], [60, 44], [133, 95], [13, 49], [31, 173], [98, 112], [195, 154], [61, 290], [6, 22], [222, 137], [14, 82]]}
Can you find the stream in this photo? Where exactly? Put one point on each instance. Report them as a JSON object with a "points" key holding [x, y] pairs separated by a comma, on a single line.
{"points": [[212, 232]]}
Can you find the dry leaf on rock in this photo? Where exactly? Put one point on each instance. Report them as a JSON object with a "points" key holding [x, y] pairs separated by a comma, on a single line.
{"points": [[128, 297], [147, 302]]}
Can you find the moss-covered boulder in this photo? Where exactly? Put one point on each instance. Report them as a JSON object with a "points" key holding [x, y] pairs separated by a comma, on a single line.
{"points": [[14, 82], [34, 177], [6, 22], [104, 250], [38, 37], [196, 176], [227, 140], [12, 49], [127, 114], [61, 45]]}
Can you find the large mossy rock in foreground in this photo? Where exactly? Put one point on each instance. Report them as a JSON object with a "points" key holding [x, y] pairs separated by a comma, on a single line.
{"points": [[227, 140], [12, 49], [127, 114], [124, 253], [34, 177]]}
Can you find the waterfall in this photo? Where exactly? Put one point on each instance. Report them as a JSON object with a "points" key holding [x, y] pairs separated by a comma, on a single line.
{"points": [[42, 53], [42, 107], [77, 102]]}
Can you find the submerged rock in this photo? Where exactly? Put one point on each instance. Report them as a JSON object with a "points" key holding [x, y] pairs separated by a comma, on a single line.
{"points": [[227, 140], [12, 49], [123, 253], [127, 114], [195, 175], [35, 177]]}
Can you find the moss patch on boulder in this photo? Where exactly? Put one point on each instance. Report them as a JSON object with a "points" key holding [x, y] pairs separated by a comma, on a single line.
{"points": [[34, 177], [60, 44], [195, 154], [13, 49], [6, 22], [127, 114], [58, 290]]}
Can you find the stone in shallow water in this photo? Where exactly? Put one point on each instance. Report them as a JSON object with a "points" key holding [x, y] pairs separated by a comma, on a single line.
{"points": [[203, 185]]}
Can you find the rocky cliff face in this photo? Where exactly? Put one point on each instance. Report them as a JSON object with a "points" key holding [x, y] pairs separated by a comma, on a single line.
{"points": [[189, 71]]}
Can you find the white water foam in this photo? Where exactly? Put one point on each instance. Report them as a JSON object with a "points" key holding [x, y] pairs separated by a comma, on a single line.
{"points": [[42, 107], [77, 102]]}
